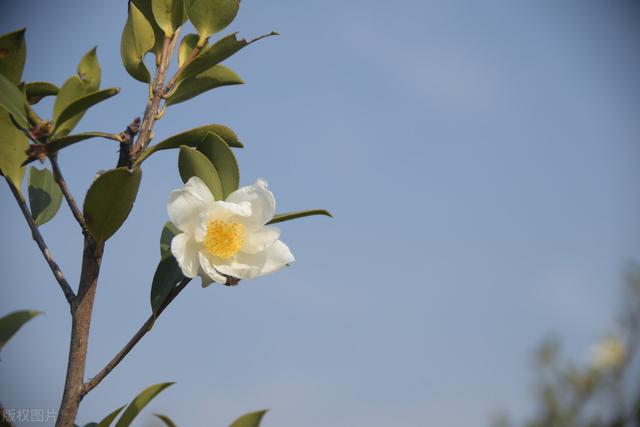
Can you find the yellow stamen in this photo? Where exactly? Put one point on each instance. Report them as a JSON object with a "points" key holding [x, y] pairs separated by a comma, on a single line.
{"points": [[224, 239]]}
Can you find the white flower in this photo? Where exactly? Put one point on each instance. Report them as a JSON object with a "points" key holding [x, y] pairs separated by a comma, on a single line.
{"points": [[227, 237], [608, 354]]}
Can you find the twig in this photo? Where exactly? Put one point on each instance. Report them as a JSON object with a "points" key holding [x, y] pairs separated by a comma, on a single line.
{"points": [[146, 327], [37, 237], [196, 50], [57, 175], [153, 105]]}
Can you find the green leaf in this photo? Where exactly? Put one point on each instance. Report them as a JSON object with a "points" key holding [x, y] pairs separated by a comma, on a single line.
{"points": [[144, 6], [194, 163], [216, 76], [187, 45], [106, 421], [252, 419], [169, 231], [77, 108], [298, 214], [13, 52], [13, 101], [218, 52], [45, 195], [13, 146], [12, 322], [91, 425], [169, 14], [85, 82], [109, 201], [137, 39], [168, 274], [38, 90], [223, 159], [192, 138], [166, 420], [211, 16], [140, 401], [89, 70], [65, 141]]}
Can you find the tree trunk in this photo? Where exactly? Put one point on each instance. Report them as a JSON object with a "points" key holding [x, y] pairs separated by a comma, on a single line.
{"points": [[81, 312]]}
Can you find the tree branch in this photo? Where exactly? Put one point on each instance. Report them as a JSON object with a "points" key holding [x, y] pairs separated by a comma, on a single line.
{"points": [[146, 327], [196, 50], [81, 314], [157, 90], [37, 237], [77, 213]]}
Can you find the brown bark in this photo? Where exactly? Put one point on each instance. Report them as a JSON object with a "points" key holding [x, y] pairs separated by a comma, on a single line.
{"points": [[81, 322]]}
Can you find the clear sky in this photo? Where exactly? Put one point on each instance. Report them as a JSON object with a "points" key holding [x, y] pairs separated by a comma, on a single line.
{"points": [[481, 161]]}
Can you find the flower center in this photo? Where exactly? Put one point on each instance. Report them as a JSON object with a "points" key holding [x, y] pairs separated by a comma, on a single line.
{"points": [[224, 239]]}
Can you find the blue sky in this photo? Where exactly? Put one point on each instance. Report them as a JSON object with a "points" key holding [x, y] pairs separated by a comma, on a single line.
{"points": [[481, 161]]}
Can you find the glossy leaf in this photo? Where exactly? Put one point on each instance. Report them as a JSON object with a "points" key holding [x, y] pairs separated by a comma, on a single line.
{"points": [[85, 82], [13, 101], [211, 16], [192, 138], [223, 159], [45, 195], [140, 401], [13, 145], [169, 14], [144, 6], [89, 69], [187, 45], [80, 105], [216, 53], [13, 51], [37, 90], [106, 421], [109, 201], [91, 425], [65, 141], [169, 231], [12, 322], [194, 163], [252, 419], [298, 214], [168, 274], [217, 76], [137, 39], [166, 420]]}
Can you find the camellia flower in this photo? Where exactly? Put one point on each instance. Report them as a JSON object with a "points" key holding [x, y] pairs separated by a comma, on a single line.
{"points": [[229, 237]]}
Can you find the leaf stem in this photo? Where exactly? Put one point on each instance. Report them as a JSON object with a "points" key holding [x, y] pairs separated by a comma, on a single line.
{"points": [[37, 237], [146, 327]]}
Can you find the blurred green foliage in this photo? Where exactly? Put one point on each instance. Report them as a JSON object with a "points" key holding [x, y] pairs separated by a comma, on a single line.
{"points": [[603, 392]]}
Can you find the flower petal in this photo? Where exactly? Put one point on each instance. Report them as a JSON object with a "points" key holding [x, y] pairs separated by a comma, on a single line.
{"points": [[263, 204], [211, 273], [248, 266], [185, 249], [259, 240], [277, 256], [243, 266], [185, 205]]}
